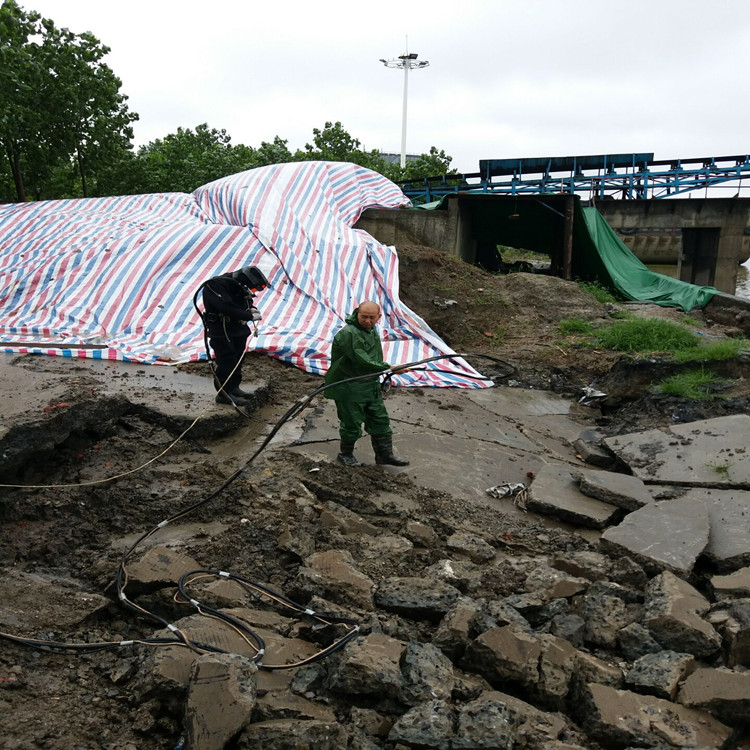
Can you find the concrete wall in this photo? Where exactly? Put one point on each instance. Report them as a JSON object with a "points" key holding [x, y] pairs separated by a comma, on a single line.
{"points": [[397, 226], [652, 230]]}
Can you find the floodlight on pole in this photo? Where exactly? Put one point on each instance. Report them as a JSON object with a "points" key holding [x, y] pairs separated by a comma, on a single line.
{"points": [[408, 61]]}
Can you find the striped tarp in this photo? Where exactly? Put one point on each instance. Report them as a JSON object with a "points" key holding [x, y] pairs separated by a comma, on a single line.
{"points": [[114, 278]]}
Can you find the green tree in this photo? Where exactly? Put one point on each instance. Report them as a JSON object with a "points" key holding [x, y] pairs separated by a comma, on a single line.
{"points": [[276, 152], [185, 160], [61, 105], [333, 143]]}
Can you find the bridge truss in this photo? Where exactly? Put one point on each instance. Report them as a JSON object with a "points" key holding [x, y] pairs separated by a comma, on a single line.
{"points": [[601, 177]]}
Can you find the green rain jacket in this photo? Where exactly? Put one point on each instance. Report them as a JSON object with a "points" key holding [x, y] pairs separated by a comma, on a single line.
{"points": [[355, 351]]}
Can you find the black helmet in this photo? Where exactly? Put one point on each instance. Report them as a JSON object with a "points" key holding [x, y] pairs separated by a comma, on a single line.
{"points": [[252, 278]]}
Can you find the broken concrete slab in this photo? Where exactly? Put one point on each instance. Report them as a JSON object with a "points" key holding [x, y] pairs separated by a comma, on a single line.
{"points": [[660, 674], [673, 613], [620, 718], [724, 693], [501, 435], [733, 586], [221, 698], [173, 536], [622, 490], [332, 575], [31, 603], [554, 491], [668, 535], [417, 598], [708, 453], [160, 566], [282, 734], [728, 545], [369, 665]]}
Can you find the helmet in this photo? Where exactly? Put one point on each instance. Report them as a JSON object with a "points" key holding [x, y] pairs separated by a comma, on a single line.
{"points": [[251, 277]]}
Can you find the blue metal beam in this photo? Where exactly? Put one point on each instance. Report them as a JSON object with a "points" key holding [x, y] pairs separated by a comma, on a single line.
{"points": [[627, 176]]}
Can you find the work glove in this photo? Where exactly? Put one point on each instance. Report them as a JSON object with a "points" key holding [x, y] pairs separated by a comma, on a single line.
{"points": [[255, 314]]}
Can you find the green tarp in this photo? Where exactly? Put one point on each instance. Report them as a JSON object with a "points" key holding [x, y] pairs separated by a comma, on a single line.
{"points": [[631, 278]]}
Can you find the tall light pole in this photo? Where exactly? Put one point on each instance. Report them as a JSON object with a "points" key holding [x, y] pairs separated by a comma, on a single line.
{"points": [[408, 61]]}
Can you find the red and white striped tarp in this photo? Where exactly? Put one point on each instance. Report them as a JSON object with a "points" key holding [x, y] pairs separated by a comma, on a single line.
{"points": [[114, 278]]}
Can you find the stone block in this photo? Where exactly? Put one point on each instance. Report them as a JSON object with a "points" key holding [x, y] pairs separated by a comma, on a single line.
{"points": [[417, 598], [369, 665], [673, 614], [724, 693], [221, 697], [555, 492], [622, 490], [660, 674], [669, 535], [620, 718]]}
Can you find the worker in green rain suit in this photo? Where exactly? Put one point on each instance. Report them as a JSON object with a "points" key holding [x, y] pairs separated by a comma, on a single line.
{"points": [[357, 351]]}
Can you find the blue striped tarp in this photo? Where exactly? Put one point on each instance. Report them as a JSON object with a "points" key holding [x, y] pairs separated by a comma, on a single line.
{"points": [[114, 278]]}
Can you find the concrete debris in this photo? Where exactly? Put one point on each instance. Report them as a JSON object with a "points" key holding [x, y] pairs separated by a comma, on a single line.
{"points": [[417, 598], [627, 635], [554, 491], [621, 718], [732, 586], [34, 603], [220, 701], [370, 665], [660, 674], [673, 613], [622, 490], [332, 575], [669, 535], [724, 693]]}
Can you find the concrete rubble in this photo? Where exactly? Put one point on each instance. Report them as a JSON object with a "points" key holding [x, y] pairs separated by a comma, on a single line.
{"points": [[492, 641]]}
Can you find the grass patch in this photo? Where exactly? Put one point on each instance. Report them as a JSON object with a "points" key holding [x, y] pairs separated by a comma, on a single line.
{"points": [[726, 349], [697, 385], [599, 292], [572, 326], [510, 254], [642, 335], [721, 469]]}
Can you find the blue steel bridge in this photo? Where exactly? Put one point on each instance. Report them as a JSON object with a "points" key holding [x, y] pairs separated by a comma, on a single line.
{"points": [[600, 177]]}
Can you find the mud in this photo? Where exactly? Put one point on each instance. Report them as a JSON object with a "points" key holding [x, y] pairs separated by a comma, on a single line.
{"points": [[69, 529]]}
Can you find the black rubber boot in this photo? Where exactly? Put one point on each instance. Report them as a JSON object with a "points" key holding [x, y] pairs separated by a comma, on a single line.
{"points": [[233, 390], [383, 447], [226, 398], [238, 393], [346, 455]]}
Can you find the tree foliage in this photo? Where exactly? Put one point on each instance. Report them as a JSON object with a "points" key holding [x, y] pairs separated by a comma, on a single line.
{"points": [[61, 110]]}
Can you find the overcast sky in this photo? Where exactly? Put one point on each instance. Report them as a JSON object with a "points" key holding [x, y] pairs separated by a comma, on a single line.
{"points": [[505, 80]]}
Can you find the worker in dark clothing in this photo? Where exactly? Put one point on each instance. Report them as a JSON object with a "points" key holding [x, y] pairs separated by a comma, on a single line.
{"points": [[357, 351], [229, 308]]}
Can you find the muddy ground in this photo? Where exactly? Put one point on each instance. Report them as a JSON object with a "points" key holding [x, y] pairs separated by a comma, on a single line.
{"points": [[63, 527]]}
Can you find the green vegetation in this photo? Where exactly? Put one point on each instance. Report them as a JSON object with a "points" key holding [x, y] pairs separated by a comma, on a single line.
{"points": [[641, 335], [575, 325], [509, 254], [725, 349], [721, 469], [696, 384], [598, 291]]}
